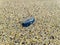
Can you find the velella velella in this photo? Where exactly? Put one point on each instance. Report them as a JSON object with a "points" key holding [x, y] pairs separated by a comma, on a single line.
{"points": [[28, 22]]}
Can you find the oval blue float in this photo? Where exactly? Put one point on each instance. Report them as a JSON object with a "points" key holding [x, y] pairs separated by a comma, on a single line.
{"points": [[28, 22]]}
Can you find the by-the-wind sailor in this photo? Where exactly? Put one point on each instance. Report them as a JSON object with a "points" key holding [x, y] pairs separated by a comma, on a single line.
{"points": [[28, 22]]}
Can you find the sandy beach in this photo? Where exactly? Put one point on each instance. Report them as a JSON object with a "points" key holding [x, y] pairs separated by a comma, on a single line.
{"points": [[44, 31]]}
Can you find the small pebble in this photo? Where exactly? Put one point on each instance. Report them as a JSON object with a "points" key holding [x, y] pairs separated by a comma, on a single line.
{"points": [[28, 22], [52, 37]]}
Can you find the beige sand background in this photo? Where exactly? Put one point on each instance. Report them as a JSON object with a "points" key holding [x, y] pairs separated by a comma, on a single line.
{"points": [[44, 31]]}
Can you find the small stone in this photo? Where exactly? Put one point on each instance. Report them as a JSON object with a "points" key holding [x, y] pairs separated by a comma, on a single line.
{"points": [[44, 44], [52, 37], [28, 22], [23, 42]]}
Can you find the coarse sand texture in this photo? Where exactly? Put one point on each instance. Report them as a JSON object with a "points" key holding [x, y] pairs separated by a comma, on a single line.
{"points": [[44, 31]]}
